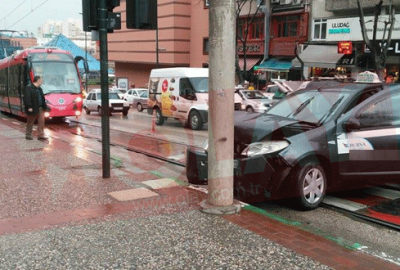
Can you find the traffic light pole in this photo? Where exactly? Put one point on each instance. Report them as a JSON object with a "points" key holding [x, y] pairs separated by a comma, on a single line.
{"points": [[105, 110]]}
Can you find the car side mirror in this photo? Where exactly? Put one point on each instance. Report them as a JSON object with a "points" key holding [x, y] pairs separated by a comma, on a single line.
{"points": [[351, 124]]}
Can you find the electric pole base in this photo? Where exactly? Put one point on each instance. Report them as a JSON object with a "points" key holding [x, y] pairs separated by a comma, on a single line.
{"points": [[220, 210]]}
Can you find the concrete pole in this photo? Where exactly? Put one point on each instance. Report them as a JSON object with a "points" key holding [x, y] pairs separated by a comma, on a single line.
{"points": [[222, 34]]}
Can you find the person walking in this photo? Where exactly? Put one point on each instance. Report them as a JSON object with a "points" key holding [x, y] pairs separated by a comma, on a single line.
{"points": [[35, 107]]}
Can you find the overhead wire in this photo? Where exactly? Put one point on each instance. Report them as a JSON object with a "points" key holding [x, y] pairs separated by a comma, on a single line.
{"points": [[29, 13], [12, 11]]}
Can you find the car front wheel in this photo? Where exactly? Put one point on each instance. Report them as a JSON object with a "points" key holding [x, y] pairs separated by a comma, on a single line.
{"points": [[311, 185], [87, 110], [250, 109]]}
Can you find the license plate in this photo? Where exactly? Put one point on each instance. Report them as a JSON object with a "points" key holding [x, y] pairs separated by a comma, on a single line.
{"points": [[117, 108]]}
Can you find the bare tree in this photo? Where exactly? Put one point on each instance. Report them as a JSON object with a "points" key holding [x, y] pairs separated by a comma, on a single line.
{"points": [[378, 48], [241, 38]]}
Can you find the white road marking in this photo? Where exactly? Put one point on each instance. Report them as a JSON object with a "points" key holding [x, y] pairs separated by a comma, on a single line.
{"points": [[385, 193], [344, 204]]}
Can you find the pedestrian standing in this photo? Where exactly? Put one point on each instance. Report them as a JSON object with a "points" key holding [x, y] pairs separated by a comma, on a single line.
{"points": [[35, 107]]}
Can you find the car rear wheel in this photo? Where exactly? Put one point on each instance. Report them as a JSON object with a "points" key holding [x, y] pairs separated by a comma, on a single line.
{"points": [[195, 120], [311, 185], [100, 111], [139, 107], [87, 110], [249, 109], [159, 117]]}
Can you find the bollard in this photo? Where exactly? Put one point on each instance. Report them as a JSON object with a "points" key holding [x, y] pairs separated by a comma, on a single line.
{"points": [[153, 125]]}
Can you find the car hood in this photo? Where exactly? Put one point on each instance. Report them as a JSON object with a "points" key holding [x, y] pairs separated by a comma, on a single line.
{"points": [[253, 127]]}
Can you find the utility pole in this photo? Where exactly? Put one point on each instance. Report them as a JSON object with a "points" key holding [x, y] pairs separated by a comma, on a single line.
{"points": [[105, 110], [222, 35]]}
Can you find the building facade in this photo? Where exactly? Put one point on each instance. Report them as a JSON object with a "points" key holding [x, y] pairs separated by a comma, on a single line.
{"points": [[182, 41], [334, 23]]}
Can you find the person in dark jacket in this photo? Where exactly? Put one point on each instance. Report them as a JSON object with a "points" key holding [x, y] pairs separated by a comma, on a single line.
{"points": [[35, 107]]}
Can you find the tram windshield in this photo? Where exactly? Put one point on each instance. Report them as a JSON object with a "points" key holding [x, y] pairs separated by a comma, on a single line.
{"points": [[58, 77]]}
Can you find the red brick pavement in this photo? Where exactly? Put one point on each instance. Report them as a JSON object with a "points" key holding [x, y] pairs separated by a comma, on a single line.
{"points": [[308, 244]]}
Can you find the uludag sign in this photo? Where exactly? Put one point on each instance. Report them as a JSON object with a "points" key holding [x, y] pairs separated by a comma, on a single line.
{"points": [[350, 29]]}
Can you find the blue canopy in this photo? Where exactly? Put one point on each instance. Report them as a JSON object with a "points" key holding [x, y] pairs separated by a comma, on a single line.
{"points": [[64, 43], [275, 65]]}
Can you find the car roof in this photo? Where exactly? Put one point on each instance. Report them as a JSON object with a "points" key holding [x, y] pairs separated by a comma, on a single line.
{"points": [[338, 86]]}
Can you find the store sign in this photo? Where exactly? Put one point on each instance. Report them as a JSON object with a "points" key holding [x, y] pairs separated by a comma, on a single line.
{"points": [[252, 48], [345, 47], [350, 29], [347, 60]]}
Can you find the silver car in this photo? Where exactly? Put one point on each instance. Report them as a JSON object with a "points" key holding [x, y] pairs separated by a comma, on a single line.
{"points": [[254, 101], [140, 101]]}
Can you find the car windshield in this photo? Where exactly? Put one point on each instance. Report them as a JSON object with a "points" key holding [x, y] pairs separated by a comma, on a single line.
{"points": [[200, 84], [110, 96], [254, 94], [58, 77], [309, 106]]}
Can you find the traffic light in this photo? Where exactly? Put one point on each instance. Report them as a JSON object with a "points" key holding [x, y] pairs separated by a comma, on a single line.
{"points": [[141, 14], [90, 15], [90, 11]]}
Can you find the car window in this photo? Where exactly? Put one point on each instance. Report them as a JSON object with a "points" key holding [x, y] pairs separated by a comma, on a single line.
{"points": [[144, 94], [272, 89], [382, 113], [89, 97]]}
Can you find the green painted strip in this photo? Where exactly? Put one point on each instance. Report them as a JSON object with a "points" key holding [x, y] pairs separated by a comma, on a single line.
{"points": [[272, 216], [157, 173], [338, 240], [179, 182]]}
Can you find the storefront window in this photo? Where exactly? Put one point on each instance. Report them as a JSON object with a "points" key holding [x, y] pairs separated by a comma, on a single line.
{"points": [[255, 28], [320, 29]]}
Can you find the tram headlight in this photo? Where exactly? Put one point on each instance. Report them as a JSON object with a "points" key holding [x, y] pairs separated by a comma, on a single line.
{"points": [[77, 113], [78, 99], [46, 114]]}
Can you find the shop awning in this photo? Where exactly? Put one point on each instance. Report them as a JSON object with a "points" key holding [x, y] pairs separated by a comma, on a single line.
{"points": [[322, 56], [250, 62], [275, 65]]}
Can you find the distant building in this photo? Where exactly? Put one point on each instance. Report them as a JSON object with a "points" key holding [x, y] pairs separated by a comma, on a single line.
{"points": [[11, 43]]}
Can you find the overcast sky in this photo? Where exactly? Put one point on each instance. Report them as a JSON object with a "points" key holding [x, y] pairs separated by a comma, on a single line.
{"points": [[31, 14]]}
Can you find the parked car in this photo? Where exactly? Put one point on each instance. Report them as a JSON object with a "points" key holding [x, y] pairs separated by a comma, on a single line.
{"points": [[93, 103], [133, 93], [140, 102], [319, 139], [120, 92], [254, 100]]}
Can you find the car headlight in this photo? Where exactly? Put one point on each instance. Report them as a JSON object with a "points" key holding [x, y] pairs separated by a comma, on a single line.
{"points": [[205, 145], [267, 147]]}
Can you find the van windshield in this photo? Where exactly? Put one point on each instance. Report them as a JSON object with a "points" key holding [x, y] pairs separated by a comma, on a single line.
{"points": [[200, 84]]}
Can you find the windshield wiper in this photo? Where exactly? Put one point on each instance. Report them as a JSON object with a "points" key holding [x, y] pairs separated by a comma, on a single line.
{"points": [[330, 110], [301, 107]]}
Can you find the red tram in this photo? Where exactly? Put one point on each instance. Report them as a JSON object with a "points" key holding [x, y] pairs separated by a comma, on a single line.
{"points": [[61, 86]]}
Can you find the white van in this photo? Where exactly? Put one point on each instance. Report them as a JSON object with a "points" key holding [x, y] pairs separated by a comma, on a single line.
{"points": [[180, 93]]}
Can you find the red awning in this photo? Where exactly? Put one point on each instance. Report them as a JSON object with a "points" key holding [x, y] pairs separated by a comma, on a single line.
{"points": [[250, 62]]}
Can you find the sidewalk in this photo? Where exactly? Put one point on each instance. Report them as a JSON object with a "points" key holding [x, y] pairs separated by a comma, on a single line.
{"points": [[57, 212]]}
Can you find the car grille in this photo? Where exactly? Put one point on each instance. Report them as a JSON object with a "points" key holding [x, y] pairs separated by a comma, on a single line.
{"points": [[114, 105], [237, 106]]}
